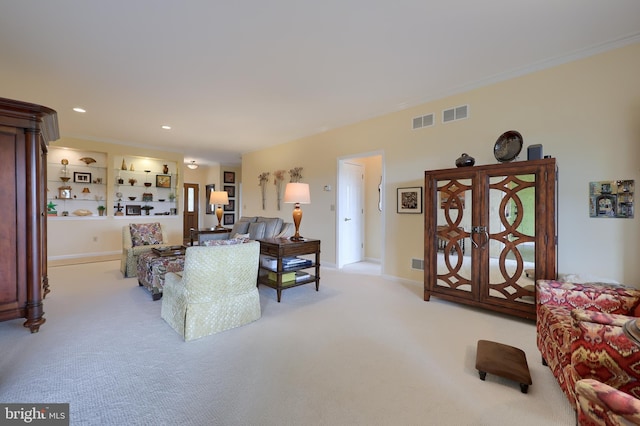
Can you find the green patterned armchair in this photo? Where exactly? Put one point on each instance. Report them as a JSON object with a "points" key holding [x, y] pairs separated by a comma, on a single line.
{"points": [[215, 292]]}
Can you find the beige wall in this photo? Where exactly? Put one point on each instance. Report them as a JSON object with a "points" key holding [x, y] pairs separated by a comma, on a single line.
{"points": [[585, 113]]}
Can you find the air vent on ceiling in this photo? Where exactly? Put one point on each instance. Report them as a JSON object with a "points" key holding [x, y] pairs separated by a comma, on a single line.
{"points": [[423, 121], [417, 264], [456, 113]]}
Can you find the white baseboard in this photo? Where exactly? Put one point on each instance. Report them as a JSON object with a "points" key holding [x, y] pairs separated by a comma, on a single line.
{"points": [[74, 259]]}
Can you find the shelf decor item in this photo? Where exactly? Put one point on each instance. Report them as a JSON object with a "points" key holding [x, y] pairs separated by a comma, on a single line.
{"points": [[124, 165], [87, 160], [297, 193], [508, 146], [465, 160]]}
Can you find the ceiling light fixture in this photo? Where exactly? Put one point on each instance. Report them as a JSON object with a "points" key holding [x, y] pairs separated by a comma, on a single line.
{"points": [[192, 165], [78, 109], [165, 127]]}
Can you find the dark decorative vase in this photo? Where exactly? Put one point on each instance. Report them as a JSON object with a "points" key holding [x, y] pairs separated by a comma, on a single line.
{"points": [[165, 169], [465, 160]]}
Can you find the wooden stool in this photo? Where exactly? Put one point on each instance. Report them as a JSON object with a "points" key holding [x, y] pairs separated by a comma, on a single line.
{"points": [[504, 361]]}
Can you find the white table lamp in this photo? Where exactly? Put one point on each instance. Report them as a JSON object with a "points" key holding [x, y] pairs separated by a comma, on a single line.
{"points": [[220, 198], [297, 193]]}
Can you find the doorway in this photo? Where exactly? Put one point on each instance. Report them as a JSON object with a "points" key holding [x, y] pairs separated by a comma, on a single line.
{"points": [[359, 212], [190, 208]]}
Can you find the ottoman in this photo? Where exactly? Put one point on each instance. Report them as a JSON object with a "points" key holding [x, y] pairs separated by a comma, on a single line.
{"points": [[152, 268]]}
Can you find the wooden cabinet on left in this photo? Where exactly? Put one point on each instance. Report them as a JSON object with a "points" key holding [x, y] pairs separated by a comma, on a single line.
{"points": [[25, 132]]}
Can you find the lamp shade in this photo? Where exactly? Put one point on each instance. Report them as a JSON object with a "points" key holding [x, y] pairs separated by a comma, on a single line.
{"points": [[297, 193], [219, 197]]}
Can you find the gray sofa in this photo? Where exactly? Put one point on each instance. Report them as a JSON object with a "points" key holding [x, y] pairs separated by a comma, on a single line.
{"points": [[256, 227]]}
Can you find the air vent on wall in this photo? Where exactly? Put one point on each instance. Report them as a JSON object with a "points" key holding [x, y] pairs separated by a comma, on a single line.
{"points": [[423, 121], [417, 264], [456, 113]]}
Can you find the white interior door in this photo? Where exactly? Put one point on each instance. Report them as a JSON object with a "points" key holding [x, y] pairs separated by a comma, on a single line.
{"points": [[350, 213]]}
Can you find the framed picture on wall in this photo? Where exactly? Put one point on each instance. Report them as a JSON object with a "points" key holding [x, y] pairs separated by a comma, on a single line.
{"points": [[231, 190], [228, 219], [229, 177], [209, 188], [231, 207], [410, 200]]}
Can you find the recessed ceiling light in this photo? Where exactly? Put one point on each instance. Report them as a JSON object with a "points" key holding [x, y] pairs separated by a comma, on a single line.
{"points": [[78, 109], [165, 127]]}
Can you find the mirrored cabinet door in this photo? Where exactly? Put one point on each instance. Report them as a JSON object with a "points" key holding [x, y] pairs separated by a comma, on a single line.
{"points": [[490, 233]]}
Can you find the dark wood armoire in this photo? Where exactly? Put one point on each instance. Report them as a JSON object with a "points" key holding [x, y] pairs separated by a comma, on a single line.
{"points": [[25, 132], [490, 233]]}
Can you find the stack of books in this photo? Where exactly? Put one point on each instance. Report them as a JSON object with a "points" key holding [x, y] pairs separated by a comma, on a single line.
{"points": [[287, 263]]}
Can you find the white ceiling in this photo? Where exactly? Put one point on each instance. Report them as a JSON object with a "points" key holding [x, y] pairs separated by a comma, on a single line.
{"points": [[235, 76]]}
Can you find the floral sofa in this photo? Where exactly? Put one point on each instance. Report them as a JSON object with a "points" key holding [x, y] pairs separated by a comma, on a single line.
{"points": [[580, 335], [599, 404]]}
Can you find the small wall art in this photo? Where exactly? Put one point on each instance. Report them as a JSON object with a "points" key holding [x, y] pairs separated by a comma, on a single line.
{"points": [[410, 200], [612, 198], [229, 177]]}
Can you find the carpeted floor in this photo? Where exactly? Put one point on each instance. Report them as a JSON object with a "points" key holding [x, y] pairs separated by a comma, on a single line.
{"points": [[362, 351]]}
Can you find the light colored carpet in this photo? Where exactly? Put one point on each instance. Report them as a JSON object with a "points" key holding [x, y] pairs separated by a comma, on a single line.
{"points": [[362, 351]]}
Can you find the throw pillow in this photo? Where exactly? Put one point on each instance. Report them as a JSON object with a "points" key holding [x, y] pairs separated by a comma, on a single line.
{"points": [[241, 236], [287, 231], [144, 234], [256, 230], [240, 227], [233, 241]]}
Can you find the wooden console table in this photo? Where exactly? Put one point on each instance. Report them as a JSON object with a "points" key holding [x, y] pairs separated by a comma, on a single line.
{"points": [[279, 248]]}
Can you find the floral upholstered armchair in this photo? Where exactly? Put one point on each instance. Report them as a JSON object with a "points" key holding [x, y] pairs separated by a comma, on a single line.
{"points": [[215, 292], [600, 404], [139, 238], [580, 334]]}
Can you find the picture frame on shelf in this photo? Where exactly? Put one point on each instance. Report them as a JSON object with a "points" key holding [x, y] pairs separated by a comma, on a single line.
{"points": [[82, 177], [229, 177], [410, 200], [231, 207], [231, 190], [228, 219], [64, 192], [209, 188], [163, 181], [134, 210]]}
